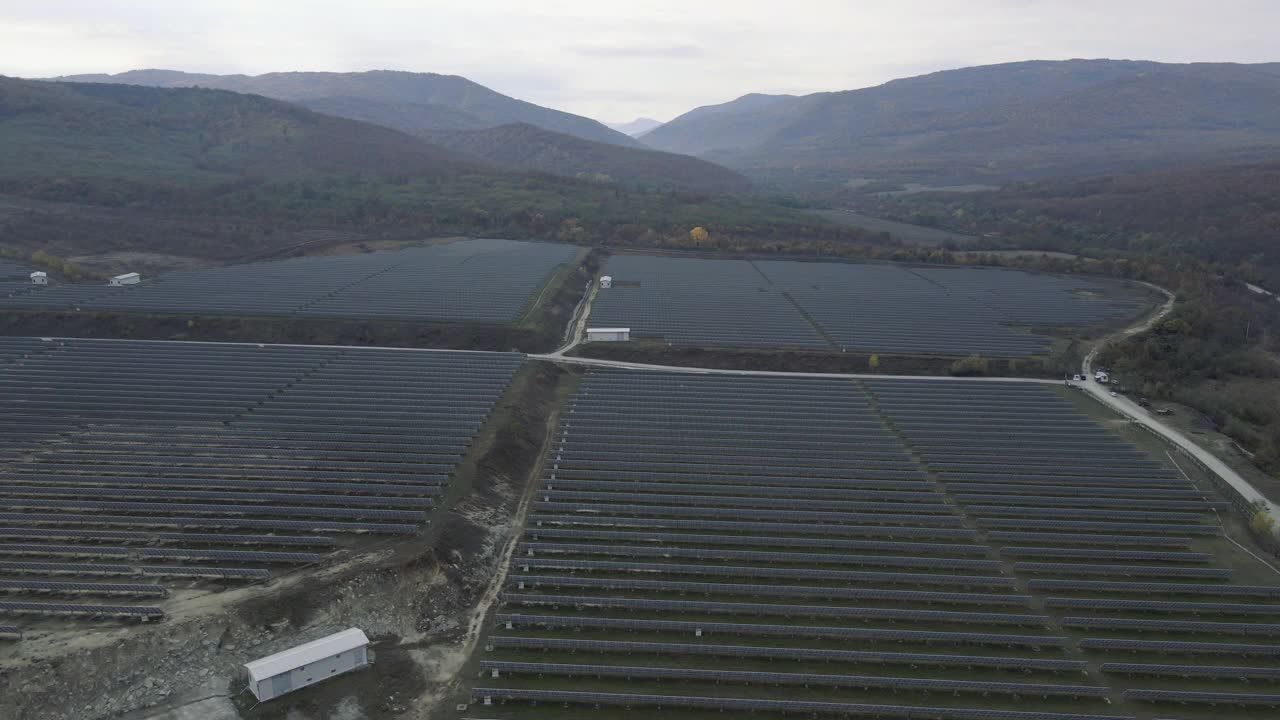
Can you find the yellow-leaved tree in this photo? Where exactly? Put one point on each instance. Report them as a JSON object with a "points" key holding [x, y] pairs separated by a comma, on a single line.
{"points": [[699, 234]]}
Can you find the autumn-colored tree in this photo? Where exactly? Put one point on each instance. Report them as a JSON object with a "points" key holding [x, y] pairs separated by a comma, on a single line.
{"points": [[699, 234], [873, 362], [1261, 522]]}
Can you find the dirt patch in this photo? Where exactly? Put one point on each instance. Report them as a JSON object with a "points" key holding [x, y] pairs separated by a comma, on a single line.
{"points": [[143, 262], [553, 308]]}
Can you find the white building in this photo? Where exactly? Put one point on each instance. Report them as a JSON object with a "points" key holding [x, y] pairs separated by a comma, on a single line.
{"points": [[608, 334], [606, 282], [126, 279], [308, 664], [39, 277]]}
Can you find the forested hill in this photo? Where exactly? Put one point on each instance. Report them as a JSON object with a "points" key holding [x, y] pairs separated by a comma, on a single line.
{"points": [[1224, 214], [94, 169], [527, 147], [411, 102], [192, 137], [996, 123]]}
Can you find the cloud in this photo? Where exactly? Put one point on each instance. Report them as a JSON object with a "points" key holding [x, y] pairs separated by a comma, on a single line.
{"points": [[619, 60], [644, 52]]}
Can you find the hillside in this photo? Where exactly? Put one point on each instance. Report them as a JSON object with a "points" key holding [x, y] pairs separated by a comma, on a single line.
{"points": [[995, 123], [527, 147], [192, 137], [736, 125], [1228, 215], [109, 172], [411, 102]]}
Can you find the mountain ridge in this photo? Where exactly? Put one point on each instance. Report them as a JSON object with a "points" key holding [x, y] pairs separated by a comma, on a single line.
{"points": [[406, 101], [195, 135], [994, 123], [527, 147]]}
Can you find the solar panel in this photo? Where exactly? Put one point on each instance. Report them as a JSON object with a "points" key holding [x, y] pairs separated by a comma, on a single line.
{"points": [[632, 700], [616, 647]]}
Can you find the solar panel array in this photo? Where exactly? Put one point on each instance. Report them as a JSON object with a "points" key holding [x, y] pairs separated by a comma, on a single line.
{"points": [[465, 281], [1119, 548], [131, 468], [842, 307], [701, 302], [738, 543], [706, 543], [12, 269]]}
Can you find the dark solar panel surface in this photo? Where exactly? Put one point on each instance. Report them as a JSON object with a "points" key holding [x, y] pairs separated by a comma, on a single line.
{"points": [[176, 463], [842, 306], [465, 281]]}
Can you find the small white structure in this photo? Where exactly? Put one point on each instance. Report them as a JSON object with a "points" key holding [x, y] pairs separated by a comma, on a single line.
{"points": [[308, 664], [1102, 377], [606, 282], [608, 334], [126, 279], [39, 277]]}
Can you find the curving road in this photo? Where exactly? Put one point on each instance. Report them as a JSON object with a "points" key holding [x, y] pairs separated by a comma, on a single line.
{"points": [[1141, 415]]}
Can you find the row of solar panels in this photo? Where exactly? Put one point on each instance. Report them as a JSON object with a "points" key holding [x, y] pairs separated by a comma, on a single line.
{"points": [[139, 612], [51, 587], [784, 573], [772, 652], [486, 695], [175, 571], [863, 614], [532, 549], [919, 597], [808, 529], [871, 635], [661, 539], [168, 553], [497, 669], [95, 520]]}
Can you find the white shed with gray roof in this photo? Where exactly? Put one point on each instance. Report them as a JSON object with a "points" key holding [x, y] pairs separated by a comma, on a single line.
{"points": [[275, 675]]}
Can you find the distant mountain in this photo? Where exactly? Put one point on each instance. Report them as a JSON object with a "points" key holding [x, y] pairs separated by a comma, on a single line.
{"points": [[736, 125], [995, 123], [411, 102], [526, 147], [636, 127], [193, 137]]}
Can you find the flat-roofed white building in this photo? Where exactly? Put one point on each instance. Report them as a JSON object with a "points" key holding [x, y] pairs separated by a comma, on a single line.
{"points": [[308, 664], [39, 277], [608, 334], [606, 281], [126, 279]]}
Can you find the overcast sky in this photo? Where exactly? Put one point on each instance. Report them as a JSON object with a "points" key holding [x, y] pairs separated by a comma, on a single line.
{"points": [[617, 60]]}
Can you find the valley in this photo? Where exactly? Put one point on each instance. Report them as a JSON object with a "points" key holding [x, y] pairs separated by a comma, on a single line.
{"points": [[906, 375]]}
